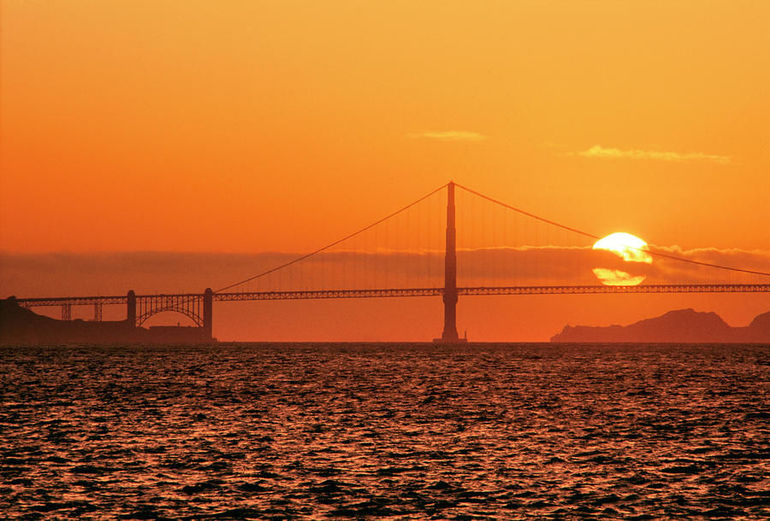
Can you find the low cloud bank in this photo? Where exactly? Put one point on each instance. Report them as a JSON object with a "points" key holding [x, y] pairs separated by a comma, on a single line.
{"points": [[29, 275]]}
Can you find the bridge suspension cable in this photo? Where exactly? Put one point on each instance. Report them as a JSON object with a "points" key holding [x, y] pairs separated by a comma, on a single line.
{"points": [[596, 237], [332, 244]]}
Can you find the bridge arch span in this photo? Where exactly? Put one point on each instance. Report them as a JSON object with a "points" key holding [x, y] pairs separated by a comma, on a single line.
{"points": [[194, 317], [190, 306]]}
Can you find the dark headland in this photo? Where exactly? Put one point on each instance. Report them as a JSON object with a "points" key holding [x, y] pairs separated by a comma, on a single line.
{"points": [[20, 326], [682, 325]]}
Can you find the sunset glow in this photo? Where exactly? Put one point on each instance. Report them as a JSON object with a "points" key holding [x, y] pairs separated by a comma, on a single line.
{"points": [[174, 145], [346, 259]]}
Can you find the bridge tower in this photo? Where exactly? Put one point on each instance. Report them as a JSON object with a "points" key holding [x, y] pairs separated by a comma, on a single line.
{"points": [[208, 320], [131, 308], [449, 335]]}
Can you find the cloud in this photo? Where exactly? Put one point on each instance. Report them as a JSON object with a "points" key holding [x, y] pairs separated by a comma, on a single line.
{"points": [[673, 271], [598, 151], [449, 135], [32, 275]]}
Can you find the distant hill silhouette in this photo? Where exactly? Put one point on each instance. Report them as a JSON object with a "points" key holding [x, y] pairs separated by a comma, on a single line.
{"points": [[683, 325]]}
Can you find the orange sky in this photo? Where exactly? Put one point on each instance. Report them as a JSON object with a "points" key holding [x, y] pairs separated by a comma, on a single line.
{"points": [[204, 126]]}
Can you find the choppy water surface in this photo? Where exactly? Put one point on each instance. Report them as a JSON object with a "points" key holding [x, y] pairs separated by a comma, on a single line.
{"points": [[389, 431]]}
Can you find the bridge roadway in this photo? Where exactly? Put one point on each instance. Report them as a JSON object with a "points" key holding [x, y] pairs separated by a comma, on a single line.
{"points": [[403, 292]]}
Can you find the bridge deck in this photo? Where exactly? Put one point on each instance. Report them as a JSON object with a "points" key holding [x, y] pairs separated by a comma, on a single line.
{"points": [[407, 292]]}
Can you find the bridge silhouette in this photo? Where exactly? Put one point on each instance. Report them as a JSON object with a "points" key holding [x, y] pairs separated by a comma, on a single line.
{"points": [[199, 306]]}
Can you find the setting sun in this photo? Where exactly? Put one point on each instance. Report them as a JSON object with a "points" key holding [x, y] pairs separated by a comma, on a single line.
{"points": [[628, 247]]}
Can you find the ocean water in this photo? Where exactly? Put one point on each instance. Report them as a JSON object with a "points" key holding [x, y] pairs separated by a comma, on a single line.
{"points": [[386, 431]]}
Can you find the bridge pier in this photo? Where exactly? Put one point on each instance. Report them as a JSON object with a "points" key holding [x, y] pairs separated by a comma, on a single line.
{"points": [[208, 312], [131, 308], [449, 335], [66, 311]]}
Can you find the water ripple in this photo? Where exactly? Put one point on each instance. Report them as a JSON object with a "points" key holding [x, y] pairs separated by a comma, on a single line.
{"points": [[475, 432]]}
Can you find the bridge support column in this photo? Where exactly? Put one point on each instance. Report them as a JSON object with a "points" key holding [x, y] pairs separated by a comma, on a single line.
{"points": [[449, 335], [208, 315], [131, 308]]}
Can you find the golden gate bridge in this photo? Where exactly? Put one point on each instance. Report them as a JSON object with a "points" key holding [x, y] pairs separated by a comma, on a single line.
{"points": [[199, 306]]}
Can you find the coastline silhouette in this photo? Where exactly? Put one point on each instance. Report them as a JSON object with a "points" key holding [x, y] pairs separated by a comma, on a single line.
{"points": [[683, 325]]}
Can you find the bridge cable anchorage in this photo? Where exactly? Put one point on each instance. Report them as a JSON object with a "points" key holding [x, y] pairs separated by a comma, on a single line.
{"points": [[596, 237], [332, 244]]}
